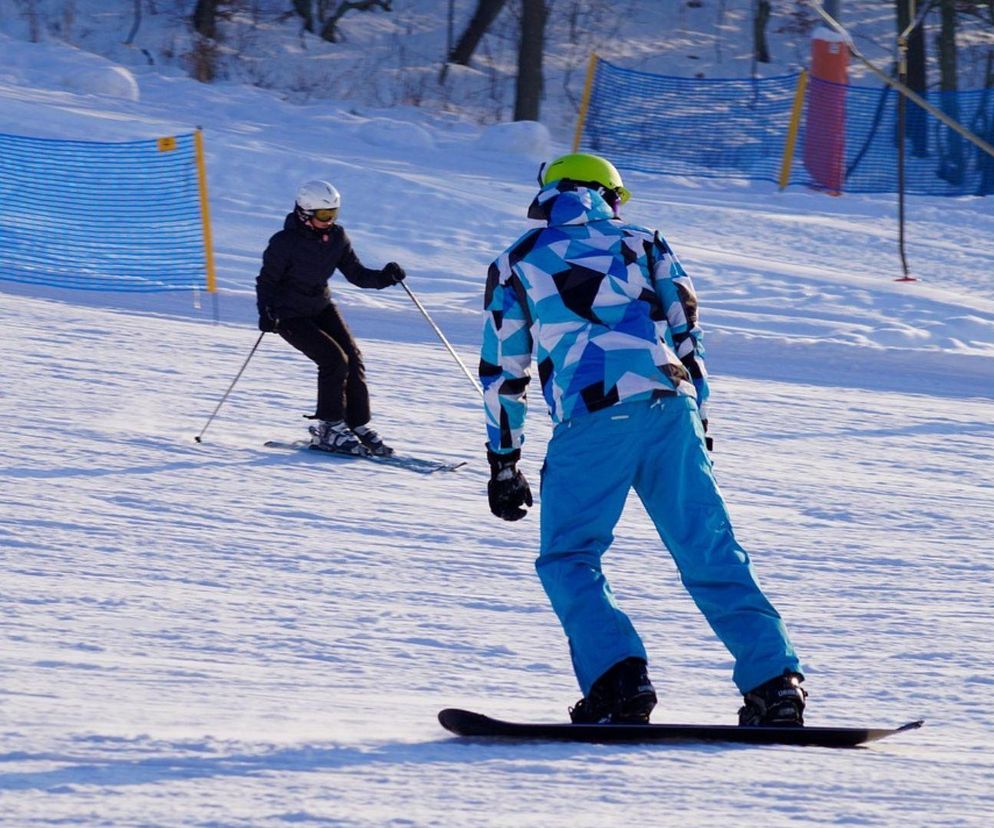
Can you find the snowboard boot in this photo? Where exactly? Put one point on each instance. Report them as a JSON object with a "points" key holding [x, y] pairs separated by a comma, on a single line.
{"points": [[372, 441], [335, 436], [778, 702], [623, 695]]}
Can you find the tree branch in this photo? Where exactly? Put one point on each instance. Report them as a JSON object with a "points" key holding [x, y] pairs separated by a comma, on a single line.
{"points": [[329, 30]]}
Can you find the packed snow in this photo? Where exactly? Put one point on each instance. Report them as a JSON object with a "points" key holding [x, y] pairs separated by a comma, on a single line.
{"points": [[225, 634]]}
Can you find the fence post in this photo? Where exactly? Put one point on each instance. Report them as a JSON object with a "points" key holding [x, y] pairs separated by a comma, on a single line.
{"points": [[198, 142], [795, 123], [585, 100]]}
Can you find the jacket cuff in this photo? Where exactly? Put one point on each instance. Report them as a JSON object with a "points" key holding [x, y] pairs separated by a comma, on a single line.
{"points": [[502, 461]]}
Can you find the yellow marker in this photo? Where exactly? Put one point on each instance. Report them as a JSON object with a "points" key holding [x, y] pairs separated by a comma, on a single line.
{"points": [[167, 144], [795, 122], [585, 100], [198, 140]]}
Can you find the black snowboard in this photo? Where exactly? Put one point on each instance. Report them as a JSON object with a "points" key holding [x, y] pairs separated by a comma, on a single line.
{"points": [[466, 723]]}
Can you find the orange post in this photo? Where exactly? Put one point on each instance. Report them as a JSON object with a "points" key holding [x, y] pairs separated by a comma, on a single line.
{"points": [[825, 134]]}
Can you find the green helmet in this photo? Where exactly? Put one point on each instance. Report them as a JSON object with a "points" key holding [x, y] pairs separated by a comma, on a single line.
{"points": [[584, 168]]}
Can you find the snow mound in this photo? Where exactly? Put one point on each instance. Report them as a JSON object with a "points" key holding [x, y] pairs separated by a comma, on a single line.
{"points": [[386, 132], [58, 66], [528, 138], [111, 81]]}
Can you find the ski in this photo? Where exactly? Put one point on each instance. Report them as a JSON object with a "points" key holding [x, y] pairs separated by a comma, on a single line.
{"points": [[476, 725], [399, 461]]}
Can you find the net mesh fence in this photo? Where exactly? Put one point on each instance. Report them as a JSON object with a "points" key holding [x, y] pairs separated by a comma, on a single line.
{"points": [[846, 141], [101, 216]]}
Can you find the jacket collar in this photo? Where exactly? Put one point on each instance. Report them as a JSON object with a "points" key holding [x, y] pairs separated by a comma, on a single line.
{"points": [[562, 203]]}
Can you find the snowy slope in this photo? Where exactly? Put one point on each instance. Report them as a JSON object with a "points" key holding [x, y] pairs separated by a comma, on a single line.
{"points": [[222, 634]]}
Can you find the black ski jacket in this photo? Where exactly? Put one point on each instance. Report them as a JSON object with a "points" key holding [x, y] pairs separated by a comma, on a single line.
{"points": [[297, 264]]}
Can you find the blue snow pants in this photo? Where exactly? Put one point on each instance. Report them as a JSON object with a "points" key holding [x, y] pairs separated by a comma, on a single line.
{"points": [[658, 449]]}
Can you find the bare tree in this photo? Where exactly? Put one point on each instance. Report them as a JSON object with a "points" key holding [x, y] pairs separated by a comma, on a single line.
{"points": [[33, 19], [916, 123], [528, 89], [760, 19], [202, 58], [315, 14], [951, 163], [305, 8], [485, 14], [135, 24], [989, 71], [946, 46], [204, 18], [329, 27]]}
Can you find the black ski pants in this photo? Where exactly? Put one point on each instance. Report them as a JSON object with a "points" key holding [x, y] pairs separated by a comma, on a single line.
{"points": [[327, 341]]}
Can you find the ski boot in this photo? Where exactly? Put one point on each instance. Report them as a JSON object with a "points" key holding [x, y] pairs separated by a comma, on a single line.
{"points": [[778, 702], [623, 695], [336, 437], [372, 441]]}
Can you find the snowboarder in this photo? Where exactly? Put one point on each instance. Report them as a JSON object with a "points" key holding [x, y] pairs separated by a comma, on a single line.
{"points": [[294, 301], [611, 317]]}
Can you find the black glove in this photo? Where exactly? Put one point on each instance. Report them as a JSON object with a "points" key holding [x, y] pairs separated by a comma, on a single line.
{"points": [[708, 441], [508, 490], [394, 272], [268, 323]]}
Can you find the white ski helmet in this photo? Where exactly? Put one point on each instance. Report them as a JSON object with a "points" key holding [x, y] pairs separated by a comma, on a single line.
{"points": [[318, 195]]}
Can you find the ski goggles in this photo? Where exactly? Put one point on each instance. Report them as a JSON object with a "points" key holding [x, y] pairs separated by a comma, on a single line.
{"points": [[323, 215]]}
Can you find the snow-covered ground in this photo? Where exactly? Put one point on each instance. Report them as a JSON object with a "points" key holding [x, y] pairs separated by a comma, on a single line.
{"points": [[222, 634]]}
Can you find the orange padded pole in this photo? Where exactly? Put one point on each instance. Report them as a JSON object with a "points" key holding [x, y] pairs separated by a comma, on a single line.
{"points": [[825, 134]]}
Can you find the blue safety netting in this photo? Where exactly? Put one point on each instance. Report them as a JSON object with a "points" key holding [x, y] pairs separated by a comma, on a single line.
{"points": [[847, 138], [101, 216]]}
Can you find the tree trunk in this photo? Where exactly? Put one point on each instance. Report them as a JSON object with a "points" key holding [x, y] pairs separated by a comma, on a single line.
{"points": [[329, 27], [760, 48], [951, 164], [985, 162], [485, 14], [205, 18], [947, 46], [916, 122], [528, 90], [305, 9], [136, 23]]}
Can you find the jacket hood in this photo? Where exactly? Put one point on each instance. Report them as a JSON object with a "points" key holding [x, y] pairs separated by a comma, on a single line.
{"points": [[563, 202]]}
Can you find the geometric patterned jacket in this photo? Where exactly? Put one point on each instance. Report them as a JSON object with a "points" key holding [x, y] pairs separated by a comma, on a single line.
{"points": [[604, 307]]}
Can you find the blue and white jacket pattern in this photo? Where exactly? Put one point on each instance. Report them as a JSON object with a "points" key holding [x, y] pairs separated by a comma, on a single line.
{"points": [[605, 308]]}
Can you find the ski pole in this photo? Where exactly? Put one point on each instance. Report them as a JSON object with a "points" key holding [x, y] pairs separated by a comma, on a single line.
{"points": [[441, 336], [240, 370]]}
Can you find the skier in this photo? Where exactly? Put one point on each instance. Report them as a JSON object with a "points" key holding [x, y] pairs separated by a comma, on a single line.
{"points": [[612, 318], [294, 301]]}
